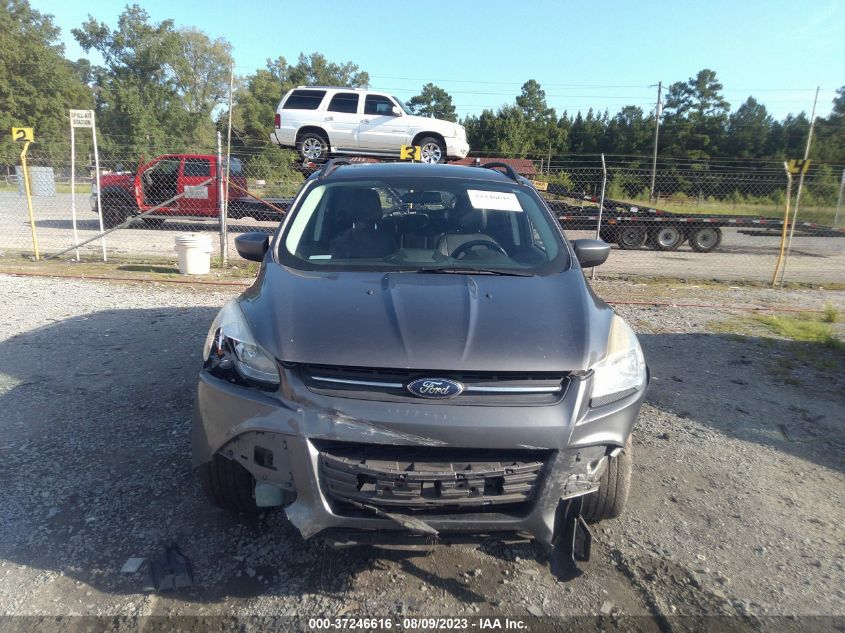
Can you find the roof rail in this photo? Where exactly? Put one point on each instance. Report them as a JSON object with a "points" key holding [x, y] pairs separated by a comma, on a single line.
{"points": [[510, 172], [331, 165]]}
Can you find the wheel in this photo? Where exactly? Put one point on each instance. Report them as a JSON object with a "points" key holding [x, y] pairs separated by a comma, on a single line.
{"points": [[153, 223], [705, 239], [313, 147], [609, 501], [667, 238], [432, 150], [228, 485], [114, 213], [631, 237]]}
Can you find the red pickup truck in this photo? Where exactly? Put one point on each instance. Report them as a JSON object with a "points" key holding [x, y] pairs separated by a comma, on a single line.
{"points": [[124, 194]]}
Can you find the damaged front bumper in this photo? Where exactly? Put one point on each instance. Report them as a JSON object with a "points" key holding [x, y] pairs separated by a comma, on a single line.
{"points": [[350, 464]]}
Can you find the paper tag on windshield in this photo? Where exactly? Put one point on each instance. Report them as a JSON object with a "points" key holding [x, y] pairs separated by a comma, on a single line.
{"points": [[494, 200]]}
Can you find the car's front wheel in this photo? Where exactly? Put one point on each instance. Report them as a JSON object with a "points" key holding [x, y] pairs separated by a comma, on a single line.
{"points": [[313, 147], [432, 150], [228, 485], [609, 501]]}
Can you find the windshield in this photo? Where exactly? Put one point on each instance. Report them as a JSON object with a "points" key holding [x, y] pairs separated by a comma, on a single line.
{"points": [[402, 105], [423, 224]]}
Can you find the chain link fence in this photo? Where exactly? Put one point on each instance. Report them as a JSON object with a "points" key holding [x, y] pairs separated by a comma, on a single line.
{"points": [[699, 220]]}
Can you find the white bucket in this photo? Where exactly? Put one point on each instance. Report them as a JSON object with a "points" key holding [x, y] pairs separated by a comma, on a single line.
{"points": [[194, 252]]}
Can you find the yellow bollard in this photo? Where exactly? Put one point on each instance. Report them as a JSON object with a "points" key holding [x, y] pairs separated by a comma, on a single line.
{"points": [[29, 198]]}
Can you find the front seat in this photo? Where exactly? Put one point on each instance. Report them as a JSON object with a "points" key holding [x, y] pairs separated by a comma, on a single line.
{"points": [[366, 238], [471, 223]]}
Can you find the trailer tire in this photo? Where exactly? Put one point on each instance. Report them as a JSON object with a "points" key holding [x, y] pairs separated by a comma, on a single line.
{"points": [[609, 501], [705, 239], [228, 485], [667, 237], [631, 237]]}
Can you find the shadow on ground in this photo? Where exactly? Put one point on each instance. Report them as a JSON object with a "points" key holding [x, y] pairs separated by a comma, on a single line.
{"points": [[96, 455]]}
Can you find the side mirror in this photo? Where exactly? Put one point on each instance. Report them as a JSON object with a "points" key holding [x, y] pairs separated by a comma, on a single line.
{"points": [[252, 246], [396, 111], [591, 252]]}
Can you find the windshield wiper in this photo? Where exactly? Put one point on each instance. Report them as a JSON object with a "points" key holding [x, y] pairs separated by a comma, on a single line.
{"points": [[475, 271]]}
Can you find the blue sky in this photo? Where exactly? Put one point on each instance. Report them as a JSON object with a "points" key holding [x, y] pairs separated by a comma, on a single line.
{"points": [[584, 54]]}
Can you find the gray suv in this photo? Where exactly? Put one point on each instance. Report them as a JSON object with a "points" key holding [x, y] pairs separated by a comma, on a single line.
{"points": [[420, 356]]}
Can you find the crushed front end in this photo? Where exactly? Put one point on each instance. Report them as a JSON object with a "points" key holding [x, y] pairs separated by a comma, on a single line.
{"points": [[350, 450]]}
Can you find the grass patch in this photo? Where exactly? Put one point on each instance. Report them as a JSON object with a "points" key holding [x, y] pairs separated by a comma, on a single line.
{"points": [[803, 328]]}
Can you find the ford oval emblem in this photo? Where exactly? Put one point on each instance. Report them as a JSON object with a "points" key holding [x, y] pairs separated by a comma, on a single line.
{"points": [[435, 388]]}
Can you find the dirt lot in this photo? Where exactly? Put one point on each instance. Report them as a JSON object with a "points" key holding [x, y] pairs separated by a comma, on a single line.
{"points": [[736, 507]]}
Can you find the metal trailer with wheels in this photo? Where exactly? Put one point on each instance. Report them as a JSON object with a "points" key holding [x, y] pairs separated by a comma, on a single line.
{"points": [[632, 226]]}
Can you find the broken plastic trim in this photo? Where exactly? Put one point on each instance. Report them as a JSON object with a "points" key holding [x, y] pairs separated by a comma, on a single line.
{"points": [[409, 523]]}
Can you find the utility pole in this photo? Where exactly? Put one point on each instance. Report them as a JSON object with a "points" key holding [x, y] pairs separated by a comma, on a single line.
{"points": [[657, 111]]}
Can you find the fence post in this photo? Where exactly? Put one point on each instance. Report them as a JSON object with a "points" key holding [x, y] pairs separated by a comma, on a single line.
{"points": [[839, 202], [221, 207], [601, 206]]}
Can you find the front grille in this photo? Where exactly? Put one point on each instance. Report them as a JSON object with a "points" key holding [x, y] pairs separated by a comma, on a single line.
{"points": [[419, 478], [480, 388]]}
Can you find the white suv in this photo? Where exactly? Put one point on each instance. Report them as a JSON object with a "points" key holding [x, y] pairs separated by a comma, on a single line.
{"points": [[323, 120]]}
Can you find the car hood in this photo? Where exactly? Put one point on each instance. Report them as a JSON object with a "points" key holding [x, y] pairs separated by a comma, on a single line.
{"points": [[428, 321], [435, 125]]}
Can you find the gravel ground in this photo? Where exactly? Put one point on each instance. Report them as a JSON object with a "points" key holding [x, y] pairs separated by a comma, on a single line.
{"points": [[736, 506]]}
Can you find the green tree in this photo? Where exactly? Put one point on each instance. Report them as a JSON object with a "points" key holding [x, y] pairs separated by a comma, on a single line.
{"points": [[532, 102], [159, 84], [37, 84], [695, 116], [748, 129], [433, 101]]}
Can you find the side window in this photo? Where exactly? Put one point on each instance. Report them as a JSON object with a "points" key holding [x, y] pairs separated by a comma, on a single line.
{"points": [[379, 106], [197, 167], [344, 102], [304, 100]]}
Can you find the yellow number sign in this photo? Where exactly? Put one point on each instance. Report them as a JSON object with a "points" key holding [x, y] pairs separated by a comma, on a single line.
{"points": [[799, 166], [410, 152], [22, 134], [540, 185]]}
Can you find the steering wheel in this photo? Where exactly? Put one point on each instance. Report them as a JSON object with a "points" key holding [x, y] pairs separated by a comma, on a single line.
{"points": [[466, 246]]}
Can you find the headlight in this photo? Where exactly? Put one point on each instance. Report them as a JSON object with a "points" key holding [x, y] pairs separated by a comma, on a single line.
{"points": [[230, 339], [622, 372]]}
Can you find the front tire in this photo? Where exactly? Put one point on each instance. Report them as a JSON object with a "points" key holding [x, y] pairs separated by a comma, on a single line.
{"points": [[228, 485], [313, 147], [432, 150], [114, 213], [609, 501]]}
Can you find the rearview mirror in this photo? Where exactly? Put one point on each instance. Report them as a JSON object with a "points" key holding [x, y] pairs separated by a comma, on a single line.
{"points": [[591, 253], [395, 110], [252, 246]]}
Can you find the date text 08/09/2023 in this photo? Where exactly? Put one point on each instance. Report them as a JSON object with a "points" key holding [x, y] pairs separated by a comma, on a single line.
{"points": [[418, 624]]}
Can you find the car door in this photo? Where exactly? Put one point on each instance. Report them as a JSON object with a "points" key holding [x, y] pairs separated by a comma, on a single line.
{"points": [[156, 183], [341, 120], [381, 128], [198, 198]]}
